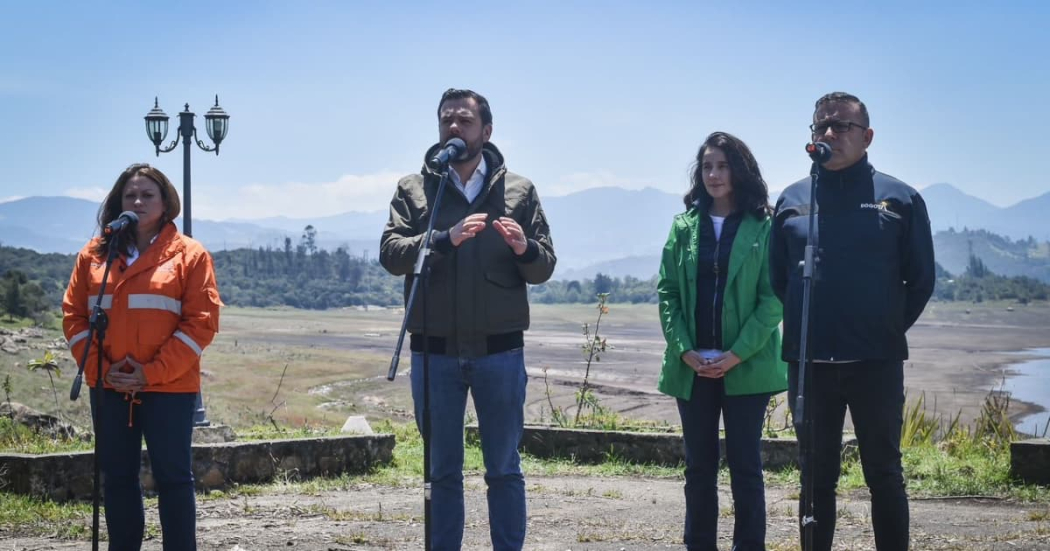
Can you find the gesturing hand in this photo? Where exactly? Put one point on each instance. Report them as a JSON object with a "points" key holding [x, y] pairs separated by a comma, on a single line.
{"points": [[467, 228], [512, 234]]}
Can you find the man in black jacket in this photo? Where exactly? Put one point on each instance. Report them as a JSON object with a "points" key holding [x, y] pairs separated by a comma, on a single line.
{"points": [[874, 274], [490, 239]]}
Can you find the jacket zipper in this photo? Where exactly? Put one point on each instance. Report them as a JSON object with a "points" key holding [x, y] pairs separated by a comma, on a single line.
{"points": [[714, 300]]}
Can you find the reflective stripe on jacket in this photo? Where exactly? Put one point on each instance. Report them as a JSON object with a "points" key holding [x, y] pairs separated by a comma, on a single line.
{"points": [[163, 310]]}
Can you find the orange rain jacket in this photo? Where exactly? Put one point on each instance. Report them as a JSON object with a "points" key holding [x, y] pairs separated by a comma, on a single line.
{"points": [[163, 310]]}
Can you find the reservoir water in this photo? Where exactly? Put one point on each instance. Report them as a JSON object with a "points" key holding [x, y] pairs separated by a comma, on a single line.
{"points": [[1031, 383]]}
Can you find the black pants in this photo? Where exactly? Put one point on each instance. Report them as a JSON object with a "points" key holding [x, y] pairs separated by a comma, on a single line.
{"points": [[874, 393], [742, 417]]}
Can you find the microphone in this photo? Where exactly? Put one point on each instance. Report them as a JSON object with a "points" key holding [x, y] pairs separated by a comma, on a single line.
{"points": [[820, 152], [122, 222], [451, 152]]}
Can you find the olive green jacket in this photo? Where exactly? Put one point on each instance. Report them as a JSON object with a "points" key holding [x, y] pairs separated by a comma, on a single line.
{"points": [[479, 288], [751, 313]]}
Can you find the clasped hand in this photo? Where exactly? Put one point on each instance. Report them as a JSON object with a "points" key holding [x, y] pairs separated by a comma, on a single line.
{"points": [[127, 375], [712, 368]]}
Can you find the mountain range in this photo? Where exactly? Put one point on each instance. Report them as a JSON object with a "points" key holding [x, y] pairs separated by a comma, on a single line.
{"points": [[610, 230]]}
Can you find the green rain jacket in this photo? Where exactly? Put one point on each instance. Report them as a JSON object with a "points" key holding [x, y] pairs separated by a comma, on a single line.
{"points": [[751, 313]]}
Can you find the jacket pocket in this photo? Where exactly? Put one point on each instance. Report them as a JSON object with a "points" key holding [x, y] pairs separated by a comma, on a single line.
{"points": [[506, 302], [505, 280]]}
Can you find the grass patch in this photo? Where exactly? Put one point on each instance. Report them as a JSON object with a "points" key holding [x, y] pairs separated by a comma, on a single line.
{"points": [[961, 466], [28, 516], [268, 432], [18, 438]]}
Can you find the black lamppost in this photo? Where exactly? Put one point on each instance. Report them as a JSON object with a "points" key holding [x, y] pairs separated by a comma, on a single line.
{"points": [[217, 123]]}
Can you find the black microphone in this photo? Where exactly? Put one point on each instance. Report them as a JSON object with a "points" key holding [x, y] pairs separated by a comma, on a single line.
{"points": [[451, 152], [820, 152], [122, 222]]}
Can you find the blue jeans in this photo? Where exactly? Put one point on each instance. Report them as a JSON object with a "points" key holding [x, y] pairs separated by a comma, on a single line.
{"points": [[874, 393], [497, 384], [743, 417], [166, 421]]}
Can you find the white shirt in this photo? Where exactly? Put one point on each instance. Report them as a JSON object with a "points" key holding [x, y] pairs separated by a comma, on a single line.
{"points": [[133, 253], [473, 186], [718, 222]]}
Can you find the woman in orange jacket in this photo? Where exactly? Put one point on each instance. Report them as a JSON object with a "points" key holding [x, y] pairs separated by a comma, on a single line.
{"points": [[163, 309]]}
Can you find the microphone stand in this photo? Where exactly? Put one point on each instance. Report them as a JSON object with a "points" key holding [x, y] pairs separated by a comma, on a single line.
{"points": [[803, 422], [98, 322], [421, 272]]}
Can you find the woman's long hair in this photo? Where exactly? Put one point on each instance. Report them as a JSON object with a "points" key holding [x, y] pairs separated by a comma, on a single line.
{"points": [[112, 206], [749, 189]]}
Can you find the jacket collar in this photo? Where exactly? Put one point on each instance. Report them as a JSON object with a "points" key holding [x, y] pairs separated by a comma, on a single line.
{"points": [[746, 238], [496, 170], [493, 158], [858, 171], [164, 247]]}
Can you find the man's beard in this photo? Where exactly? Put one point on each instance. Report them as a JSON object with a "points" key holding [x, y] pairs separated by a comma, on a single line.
{"points": [[472, 151]]}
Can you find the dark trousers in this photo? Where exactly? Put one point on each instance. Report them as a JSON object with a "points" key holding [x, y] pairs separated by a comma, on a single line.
{"points": [[742, 417], [166, 422], [874, 393]]}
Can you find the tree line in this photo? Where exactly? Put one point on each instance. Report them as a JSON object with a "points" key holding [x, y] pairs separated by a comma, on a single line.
{"points": [[302, 275]]}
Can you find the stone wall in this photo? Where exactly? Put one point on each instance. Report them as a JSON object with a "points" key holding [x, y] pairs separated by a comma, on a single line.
{"points": [[1030, 460], [65, 476], [595, 446]]}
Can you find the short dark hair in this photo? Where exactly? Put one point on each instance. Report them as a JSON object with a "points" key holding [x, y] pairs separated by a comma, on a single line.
{"points": [[749, 189], [841, 97], [483, 104]]}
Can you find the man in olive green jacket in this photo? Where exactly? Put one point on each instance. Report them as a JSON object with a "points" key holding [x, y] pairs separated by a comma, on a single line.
{"points": [[491, 238]]}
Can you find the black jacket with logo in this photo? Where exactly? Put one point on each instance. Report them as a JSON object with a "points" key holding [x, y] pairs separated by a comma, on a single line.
{"points": [[874, 270]]}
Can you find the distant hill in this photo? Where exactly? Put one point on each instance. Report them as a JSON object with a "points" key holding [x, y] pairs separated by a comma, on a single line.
{"points": [[602, 224], [952, 209], [1026, 257], [65, 224], [635, 266], [610, 230]]}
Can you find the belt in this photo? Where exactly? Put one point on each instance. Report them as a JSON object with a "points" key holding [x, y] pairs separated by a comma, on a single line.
{"points": [[494, 344]]}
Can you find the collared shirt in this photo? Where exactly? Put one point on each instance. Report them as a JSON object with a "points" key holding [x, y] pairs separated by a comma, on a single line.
{"points": [[473, 186], [133, 253]]}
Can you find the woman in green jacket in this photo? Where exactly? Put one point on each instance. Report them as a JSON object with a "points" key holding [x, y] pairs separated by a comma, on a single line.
{"points": [[720, 319]]}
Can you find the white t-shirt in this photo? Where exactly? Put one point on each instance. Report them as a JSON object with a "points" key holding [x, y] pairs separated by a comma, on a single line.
{"points": [[718, 222]]}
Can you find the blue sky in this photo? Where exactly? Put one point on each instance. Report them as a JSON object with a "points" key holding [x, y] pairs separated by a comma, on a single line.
{"points": [[331, 102]]}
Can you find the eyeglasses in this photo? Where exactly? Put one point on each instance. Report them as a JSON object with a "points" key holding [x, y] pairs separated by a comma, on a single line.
{"points": [[840, 127]]}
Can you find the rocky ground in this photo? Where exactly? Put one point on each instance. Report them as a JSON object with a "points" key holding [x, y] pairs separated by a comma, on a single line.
{"points": [[571, 514]]}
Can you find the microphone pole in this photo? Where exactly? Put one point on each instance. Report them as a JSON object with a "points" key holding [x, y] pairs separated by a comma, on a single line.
{"points": [[421, 272], [98, 322], [820, 152]]}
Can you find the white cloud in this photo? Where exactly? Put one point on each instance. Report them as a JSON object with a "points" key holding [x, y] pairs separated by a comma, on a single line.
{"points": [[350, 192], [89, 193], [11, 198]]}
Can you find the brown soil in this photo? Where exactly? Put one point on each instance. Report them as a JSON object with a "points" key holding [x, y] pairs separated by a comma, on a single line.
{"points": [[571, 513]]}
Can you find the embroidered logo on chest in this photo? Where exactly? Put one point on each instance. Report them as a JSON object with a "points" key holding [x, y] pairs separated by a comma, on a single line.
{"points": [[881, 205]]}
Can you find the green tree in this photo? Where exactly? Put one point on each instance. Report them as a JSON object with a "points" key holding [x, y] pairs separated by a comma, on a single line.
{"points": [[13, 303]]}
